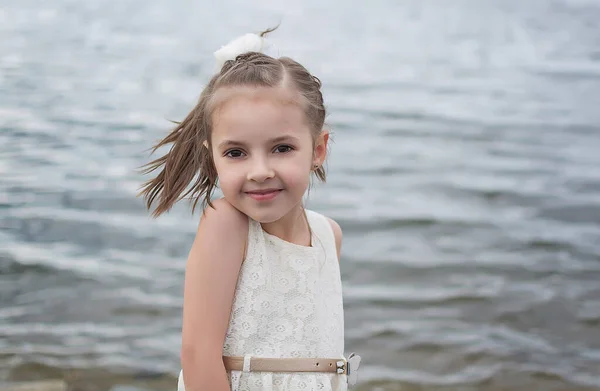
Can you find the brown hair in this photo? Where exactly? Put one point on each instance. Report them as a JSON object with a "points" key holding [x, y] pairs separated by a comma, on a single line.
{"points": [[188, 160]]}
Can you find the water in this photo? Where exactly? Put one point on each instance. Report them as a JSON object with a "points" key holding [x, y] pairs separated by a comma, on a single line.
{"points": [[463, 173]]}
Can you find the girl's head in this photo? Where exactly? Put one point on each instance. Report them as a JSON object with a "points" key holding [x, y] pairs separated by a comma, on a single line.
{"points": [[258, 126]]}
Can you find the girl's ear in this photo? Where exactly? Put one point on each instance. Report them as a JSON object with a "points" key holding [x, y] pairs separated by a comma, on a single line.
{"points": [[320, 152], [205, 143]]}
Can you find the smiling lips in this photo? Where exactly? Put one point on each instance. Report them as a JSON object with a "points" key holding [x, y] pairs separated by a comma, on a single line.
{"points": [[264, 195]]}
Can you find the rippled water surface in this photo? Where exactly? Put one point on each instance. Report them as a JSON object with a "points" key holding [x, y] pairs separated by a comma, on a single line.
{"points": [[464, 173]]}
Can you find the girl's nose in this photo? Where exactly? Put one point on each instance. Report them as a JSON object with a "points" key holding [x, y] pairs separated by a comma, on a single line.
{"points": [[260, 171]]}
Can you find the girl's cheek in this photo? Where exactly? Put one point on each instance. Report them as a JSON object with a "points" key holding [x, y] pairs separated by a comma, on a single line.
{"points": [[298, 176]]}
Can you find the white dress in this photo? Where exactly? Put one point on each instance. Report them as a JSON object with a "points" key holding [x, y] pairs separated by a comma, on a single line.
{"points": [[288, 303]]}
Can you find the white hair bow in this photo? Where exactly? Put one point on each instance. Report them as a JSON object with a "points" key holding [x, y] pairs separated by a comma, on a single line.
{"points": [[246, 43]]}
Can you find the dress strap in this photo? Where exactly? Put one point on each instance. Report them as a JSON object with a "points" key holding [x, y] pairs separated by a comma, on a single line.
{"points": [[254, 240], [322, 232]]}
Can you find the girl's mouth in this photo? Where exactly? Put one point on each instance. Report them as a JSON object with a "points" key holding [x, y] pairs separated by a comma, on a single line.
{"points": [[264, 195]]}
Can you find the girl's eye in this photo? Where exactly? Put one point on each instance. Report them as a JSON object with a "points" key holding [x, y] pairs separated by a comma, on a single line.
{"points": [[234, 153], [283, 148]]}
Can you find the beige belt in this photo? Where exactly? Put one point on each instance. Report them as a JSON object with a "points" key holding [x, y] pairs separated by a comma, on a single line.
{"points": [[260, 364], [248, 363]]}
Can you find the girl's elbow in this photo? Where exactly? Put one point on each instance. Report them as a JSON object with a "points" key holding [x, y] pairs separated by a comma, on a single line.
{"points": [[186, 355], [194, 357], [189, 357], [203, 370]]}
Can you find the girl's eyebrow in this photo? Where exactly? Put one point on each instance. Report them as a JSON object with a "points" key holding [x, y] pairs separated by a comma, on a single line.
{"points": [[232, 143]]}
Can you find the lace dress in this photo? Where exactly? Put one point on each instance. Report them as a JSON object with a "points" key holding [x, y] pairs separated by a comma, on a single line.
{"points": [[288, 303]]}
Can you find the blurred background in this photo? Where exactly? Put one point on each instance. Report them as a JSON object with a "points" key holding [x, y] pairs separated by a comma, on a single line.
{"points": [[464, 174]]}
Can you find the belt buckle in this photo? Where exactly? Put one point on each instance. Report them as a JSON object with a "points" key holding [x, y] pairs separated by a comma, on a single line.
{"points": [[349, 366], [342, 367]]}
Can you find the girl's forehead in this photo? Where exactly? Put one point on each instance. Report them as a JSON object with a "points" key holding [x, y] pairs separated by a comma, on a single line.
{"points": [[251, 113]]}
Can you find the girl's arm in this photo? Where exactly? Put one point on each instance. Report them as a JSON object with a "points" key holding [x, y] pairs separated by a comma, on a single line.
{"points": [[211, 276]]}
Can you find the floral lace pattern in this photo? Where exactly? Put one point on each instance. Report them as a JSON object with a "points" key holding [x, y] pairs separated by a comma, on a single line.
{"points": [[288, 303]]}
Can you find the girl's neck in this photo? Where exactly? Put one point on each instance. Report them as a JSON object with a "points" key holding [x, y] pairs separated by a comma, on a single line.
{"points": [[293, 227]]}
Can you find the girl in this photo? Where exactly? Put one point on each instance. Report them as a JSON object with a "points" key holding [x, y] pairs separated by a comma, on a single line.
{"points": [[262, 303]]}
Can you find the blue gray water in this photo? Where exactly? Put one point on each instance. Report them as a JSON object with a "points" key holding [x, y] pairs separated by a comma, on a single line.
{"points": [[464, 173]]}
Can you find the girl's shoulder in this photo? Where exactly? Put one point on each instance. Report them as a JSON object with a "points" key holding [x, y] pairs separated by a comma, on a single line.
{"points": [[224, 215], [224, 220]]}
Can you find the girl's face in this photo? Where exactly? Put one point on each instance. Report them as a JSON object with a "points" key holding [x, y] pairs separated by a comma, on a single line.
{"points": [[264, 152]]}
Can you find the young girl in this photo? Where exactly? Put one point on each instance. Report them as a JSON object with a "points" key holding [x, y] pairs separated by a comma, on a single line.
{"points": [[263, 296]]}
